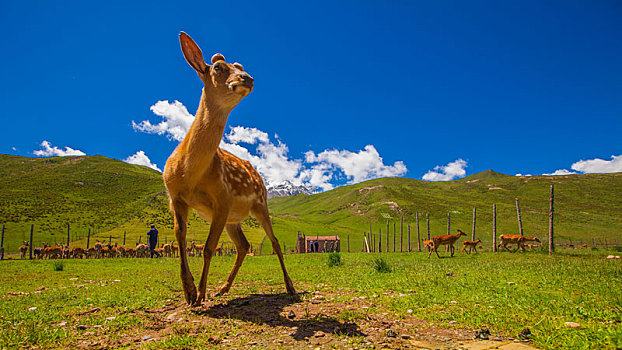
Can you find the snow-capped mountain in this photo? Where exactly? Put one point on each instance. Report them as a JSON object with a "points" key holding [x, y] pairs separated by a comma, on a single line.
{"points": [[287, 189]]}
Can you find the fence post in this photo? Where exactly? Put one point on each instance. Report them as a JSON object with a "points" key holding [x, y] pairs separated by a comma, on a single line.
{"points": [[67, 234], [551, 241], [494, 227], [418, 234], [387, 236], [2, 245], [124, 232], [393, 237], [380, 240], [110, 240], [348, 243], [427, 219], [520, 221], [448, 223], [88, 238], [401, 232], [474, 218], [408, 238], [32, 230]]}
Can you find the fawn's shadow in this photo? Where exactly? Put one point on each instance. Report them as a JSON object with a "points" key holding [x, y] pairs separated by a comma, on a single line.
{"points": [[267, 309]]}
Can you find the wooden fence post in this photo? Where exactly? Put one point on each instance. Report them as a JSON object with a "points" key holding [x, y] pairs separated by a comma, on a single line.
{"points": [[348, 237], [448, 223], [494, 227], [387, 236], [474, 218], [408, 238], [124, 232], [67, 234], [520, 221], [32, 230], [2, 245], [88, 238], [551, 241], [401, 233], [427, 219], [418, 235], [110, 241], [380, 240], [393, 237]]}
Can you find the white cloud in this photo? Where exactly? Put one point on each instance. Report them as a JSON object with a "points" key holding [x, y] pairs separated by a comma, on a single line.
{"points": [[271, 158], [49, 151], [13, 148], [599, 165], [140, 158], [363, 165], [247, 135], [561, 172], [523, 174], [447, 172], [176, 123]]}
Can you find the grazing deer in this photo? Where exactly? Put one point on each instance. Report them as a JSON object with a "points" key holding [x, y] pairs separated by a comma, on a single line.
{"points": [[222, 188], [38, 252], [198, 248], [91, 253], [98, 249], [78, 253], [447, 240], [519, 240], [174, 250], [167, 250], [23, 249], [471, 244], [53, 252], [142, 251], [130, 252]]}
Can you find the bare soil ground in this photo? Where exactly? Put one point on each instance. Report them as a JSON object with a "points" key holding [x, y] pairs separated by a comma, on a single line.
{"points": [[314, 320]]}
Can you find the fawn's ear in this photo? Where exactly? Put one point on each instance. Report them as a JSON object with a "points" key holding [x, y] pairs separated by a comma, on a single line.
{"points": [[192, 53]]}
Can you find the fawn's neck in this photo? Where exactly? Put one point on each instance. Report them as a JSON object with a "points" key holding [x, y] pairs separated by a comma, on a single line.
{"points": [[206, 131]]}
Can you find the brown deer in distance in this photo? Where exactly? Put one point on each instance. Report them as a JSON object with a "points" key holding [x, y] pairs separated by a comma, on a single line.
{"points": [[222, 188], [519, 240], [472, 245], [23, 249], [447, 240]]}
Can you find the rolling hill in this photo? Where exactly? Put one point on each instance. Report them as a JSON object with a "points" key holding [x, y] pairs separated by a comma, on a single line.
{"points": [[114, 199]]}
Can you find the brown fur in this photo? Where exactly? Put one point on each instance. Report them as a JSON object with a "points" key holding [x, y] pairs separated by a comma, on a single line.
{"points": [[472, 245], [221, 187], [519, 240], [447, 240]]}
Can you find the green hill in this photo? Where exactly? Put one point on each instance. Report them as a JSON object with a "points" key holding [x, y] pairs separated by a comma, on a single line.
{"points": [[586, 207], [114, 199], [108, 196]]}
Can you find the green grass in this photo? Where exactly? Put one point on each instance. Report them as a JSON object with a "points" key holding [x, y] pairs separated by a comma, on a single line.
{"points": [[504, 292]]}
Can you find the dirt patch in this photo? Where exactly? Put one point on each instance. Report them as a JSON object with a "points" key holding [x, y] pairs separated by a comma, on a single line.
{"points": [[366, 190], [319, 319], [392, 205]]}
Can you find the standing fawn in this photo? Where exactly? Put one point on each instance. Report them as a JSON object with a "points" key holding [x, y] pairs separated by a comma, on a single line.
{"points": [[447, 240], [23, 249], [471, 244], [222, 188]]}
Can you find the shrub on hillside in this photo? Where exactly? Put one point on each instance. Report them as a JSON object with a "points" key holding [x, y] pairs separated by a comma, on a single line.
{"points": [[381, 265], [58, 265], [334, 259]]}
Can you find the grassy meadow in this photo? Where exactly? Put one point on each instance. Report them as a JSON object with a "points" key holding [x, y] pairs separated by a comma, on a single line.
{"points": [[128, 303]]}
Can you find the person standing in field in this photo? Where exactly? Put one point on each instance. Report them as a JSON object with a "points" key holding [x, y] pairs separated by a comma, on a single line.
{"points": [[153, 241]]}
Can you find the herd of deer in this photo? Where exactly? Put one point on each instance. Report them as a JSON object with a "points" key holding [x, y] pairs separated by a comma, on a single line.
{"points": [[100, 250], [449, 240]]}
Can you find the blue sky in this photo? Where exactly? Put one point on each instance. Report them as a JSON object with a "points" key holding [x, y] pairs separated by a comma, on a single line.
{"points": [[354, 90]]}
